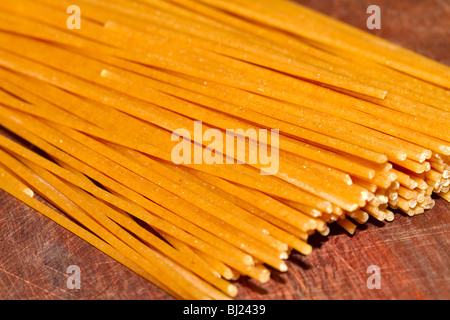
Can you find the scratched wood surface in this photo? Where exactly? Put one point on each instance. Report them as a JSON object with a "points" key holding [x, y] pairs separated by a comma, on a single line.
{"points": [[412, 253]]}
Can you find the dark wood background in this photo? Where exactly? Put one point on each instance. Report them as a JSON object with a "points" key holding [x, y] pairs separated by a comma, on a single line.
{"points": [[412, 253]]}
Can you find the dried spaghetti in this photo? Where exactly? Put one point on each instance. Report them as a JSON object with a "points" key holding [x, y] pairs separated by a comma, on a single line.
{"points": [[362, 123]]}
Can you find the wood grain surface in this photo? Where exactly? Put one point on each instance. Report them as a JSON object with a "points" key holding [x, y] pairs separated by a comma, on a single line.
{"points": [[412, 253]]}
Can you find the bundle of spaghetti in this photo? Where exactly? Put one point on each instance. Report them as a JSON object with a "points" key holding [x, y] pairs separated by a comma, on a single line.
{"points": [[356, 127]]}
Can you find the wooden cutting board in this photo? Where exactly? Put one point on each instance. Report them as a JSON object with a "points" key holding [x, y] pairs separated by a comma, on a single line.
{"points": [[411, 253]]}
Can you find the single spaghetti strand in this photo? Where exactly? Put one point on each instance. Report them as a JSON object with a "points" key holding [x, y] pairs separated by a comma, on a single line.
{"points": [[321, 58], [136, 198], [307, 186], [53, 77]]}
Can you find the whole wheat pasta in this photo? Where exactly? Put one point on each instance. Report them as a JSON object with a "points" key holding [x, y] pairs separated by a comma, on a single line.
{"points": [[85, 220], [307, 187], [287, 145], [359, 216], [270, 229], [336, 38], [272, 206], [433, 132], [54, 77], [146, 149], [284, 40], [361, 122], [256, 273], [224, 270], [349, 226], [174, 203], [145, 204]]}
